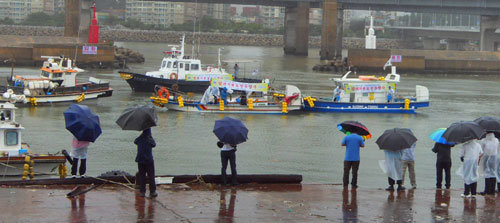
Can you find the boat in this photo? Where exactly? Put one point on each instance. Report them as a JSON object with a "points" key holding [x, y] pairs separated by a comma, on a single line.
{"points": [[180, 72], [247, 98], [14, 154], [56, 83], [368, 94]]}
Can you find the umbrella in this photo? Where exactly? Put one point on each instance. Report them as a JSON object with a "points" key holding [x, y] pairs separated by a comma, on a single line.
{"points": [[230, 130], [437, 136], [354, 126], [396, 139], [82, 123], [490, 124], [138, 118], [460, 132]]}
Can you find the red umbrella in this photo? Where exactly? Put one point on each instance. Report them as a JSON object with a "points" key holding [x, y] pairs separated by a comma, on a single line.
{"points": [[354, 127]]}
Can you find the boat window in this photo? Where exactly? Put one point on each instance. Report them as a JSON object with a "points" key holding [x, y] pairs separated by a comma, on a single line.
{"points": [[195, 66], [11, 138], [169, 64], [57, 75], [175, 64], [163, 64], [187, 67], [45, 74]]}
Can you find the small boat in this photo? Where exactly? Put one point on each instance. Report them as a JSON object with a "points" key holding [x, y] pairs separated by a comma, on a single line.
{"points": [[56, 83], [179, 72], [14, 154], [368, 94], [247, 98]]}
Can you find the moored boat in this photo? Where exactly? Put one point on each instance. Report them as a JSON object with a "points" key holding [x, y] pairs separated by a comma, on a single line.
{"points": [[248, 98], [368, 94], [16, 158], [56, 83], [180, 72]]}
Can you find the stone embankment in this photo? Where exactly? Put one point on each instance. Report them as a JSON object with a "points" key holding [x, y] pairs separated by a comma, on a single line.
{"points": [[128, 35]]}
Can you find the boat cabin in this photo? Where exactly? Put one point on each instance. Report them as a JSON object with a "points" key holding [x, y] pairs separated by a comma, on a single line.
{"points": [[366, 89], [59, 70], [10, 130]]}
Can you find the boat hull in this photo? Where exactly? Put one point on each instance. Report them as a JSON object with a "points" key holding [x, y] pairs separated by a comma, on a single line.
{"points": [[43, 165], [393, 107], [276, 109]]}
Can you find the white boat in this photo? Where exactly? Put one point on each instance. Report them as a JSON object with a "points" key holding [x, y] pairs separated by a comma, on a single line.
{"points": [[13, 153], [56, 83], [180, 72], [368, 94], [256, 99]]}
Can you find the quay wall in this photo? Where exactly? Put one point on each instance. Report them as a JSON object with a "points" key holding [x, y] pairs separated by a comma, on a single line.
{"points": [[129, 35]]}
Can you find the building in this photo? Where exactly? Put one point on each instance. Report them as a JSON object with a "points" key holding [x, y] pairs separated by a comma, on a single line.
{"points": [[155, 12], [216, 11], [16, 10], [272, 17]]}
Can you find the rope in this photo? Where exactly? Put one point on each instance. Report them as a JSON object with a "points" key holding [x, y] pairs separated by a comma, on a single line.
{"points": [[114, 182]]}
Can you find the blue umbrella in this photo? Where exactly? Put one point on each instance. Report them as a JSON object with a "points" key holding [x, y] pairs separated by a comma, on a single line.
{"points": [[437, 136], [230, 130], [82, 123]]}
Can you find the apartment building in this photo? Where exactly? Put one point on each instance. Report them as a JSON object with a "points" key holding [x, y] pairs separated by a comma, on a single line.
{"points": [[155, 12], [272, 17], [16, 10]]}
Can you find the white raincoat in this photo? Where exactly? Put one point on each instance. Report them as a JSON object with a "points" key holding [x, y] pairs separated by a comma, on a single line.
{"points": [[489, 159], [393, 164], [497, 165], [471, 151]]}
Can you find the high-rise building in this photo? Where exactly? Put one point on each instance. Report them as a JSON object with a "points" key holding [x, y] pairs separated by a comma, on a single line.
{"points": [[155, 12], [272, 17], [198, 11], [16, 10]]}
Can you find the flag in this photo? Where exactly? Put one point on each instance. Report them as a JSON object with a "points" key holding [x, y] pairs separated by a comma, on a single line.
{"points": [[388, 63]]}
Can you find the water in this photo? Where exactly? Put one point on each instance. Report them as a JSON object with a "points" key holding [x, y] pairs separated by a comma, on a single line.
{"points": [[307, 144]]}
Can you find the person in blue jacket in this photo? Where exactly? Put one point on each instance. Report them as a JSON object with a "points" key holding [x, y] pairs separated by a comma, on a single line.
{"points": [[145, 162], [223, 95]]}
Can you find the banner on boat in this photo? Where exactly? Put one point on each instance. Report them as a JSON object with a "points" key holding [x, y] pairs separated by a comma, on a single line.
{"points": [[367, 88], [263, 87], [208, 77]]}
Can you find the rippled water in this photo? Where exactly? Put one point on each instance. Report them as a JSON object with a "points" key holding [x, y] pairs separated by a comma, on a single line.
{"points": [[306, 143]]}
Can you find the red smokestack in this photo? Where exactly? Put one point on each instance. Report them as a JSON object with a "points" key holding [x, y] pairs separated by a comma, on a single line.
{"points": [[94, 28]]}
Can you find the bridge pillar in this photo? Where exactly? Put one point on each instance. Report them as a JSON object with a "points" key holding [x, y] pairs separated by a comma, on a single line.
{"points": [[296, 37], [456, 44], [488, 26], [77, 20], [431, 43], [331, 30]]}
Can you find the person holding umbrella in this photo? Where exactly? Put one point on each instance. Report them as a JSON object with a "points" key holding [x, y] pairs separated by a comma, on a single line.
{"points": [[488, 163], [443, 163], [230, 133], [392, 141], [353, 141], [142, 118], [85, 127]]}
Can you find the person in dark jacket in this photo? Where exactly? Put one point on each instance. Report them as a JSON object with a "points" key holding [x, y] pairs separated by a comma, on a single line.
{"points": [[228, 153], [443, 162], [144, 159]]}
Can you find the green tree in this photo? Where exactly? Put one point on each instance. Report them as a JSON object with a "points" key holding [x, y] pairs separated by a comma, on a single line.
{"points": [[6, 21]]}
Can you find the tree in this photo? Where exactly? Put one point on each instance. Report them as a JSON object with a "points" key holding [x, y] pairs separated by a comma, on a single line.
{"points": [[42, 19], [6, 21]]}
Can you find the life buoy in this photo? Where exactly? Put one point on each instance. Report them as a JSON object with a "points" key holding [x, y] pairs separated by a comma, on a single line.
{"points": [[162, 92], [172, 75]]}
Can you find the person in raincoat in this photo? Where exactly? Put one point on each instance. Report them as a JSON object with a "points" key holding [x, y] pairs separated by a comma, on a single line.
{"points": [[443, 163], [488, 163], [390, 94], [223, 95], [79, 152], [394, 169], [497, 168], [336, 94], [145, 162], [470, 154], [408, 161]]}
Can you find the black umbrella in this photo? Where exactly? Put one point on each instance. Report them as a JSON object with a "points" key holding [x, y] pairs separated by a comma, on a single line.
{"points": [[353, 126], [138, 118], [460, 132], [396, 139], [490, 124]]}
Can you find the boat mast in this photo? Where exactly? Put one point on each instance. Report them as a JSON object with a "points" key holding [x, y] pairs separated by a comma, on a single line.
{"points": [[182, 46], [194, 30]]}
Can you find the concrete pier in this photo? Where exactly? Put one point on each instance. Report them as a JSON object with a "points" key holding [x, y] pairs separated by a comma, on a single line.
{"points": [[330, 38], [296, 36], [77, 20], [488, 26]]}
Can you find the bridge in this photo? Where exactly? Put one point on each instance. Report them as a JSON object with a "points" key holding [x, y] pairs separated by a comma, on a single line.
{"points": [[296, 36]]}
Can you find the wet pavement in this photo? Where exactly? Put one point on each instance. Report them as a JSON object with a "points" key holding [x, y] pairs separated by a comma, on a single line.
{"points": [[248, 203]]}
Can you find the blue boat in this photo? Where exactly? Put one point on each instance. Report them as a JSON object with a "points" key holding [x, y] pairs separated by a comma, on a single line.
{"points": [[369, 94]]}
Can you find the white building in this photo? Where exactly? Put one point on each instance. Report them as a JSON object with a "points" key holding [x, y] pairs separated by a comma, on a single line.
{"points": [[272, 17], [155, 12], [16, 10]]}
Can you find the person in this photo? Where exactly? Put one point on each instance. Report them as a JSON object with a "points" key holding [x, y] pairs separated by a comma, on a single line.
{"points": [[352, 142], [490, 149], [336, 93], [497, 167], [394, 169], [443, 163], [390, 94], [79, 152], [470, 154], [145, 144], [223, 95], [236, 71], [408, 161], [215, 93], [228, 153]]}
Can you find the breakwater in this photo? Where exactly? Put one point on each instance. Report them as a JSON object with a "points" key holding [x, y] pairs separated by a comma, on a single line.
{"points": [[129, 35]]}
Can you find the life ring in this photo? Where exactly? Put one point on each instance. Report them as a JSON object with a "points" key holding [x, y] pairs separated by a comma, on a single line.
{"points": [[162, 92], [172, 75]]}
